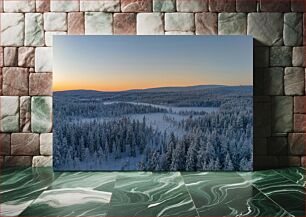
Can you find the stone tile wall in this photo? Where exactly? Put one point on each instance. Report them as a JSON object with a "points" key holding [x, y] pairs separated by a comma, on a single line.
{"points": [[27, 27]]}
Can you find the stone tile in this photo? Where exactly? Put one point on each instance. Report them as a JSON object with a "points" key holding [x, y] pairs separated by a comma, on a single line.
{"points": [[43, 59], [260, 146], [12, 29], [303, 161], [271, 6], [278, 146], [299, 104], [150, 24], [274, 81], [298, 56], [55, 21], [136, 5], [246, 5], [26, 56], [289, 161], [304, 32], [34, 30], [297, 6], [294, 81], [1, 157], [46, 143], [19, 6], [5, 144], [179, 33], [296, 143], [10, 56], [282, 117], [42, 5], [280, 56], [76, 24], [262, 119], [266, 28], [41, 114], [100, 5], [124, 24], [49, 37], [163, 5], [1, 56], [25, 144], [64, 6], [98, 23], [25, 114], [42, 161], [261, 56], [179, 22], [1, 81], [299, 124], [232, 24], [15, 81], [206, 23], [265, 162], [191, 5], [40, 84], [293, 29], [18, 161], [258, 76], [222, 5], [9, 113]]}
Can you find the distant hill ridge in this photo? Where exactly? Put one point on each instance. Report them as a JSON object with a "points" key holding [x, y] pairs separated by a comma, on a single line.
{"points": [[155, 89]]}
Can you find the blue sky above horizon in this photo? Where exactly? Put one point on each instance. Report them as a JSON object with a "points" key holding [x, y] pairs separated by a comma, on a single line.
{"points": [[114, 63]]}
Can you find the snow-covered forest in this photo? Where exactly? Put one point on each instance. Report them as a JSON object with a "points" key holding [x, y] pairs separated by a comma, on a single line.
{"points": [[161, 129]]}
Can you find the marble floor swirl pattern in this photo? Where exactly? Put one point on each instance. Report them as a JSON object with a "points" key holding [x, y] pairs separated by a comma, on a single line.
{"points": [[42, 192], [75, 194], [282, 190], [227, 194], [151, 194], [20, 187]]}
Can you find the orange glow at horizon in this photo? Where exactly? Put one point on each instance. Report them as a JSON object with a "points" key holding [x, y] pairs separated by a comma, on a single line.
{"points": [[122, 86]]}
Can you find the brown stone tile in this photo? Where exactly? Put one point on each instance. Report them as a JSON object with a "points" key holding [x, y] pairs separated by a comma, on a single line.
{"points": [[26, 56], [299, 124], [25, 114], [299, 104], [15, 81], [222, 6], [298, 5], [246, 5], [17, 161], [5, 143], [303, 161], [1, 56], [289, 161], [1, 81], [136, 5], [124, 24], [42, 5], [296, 143], [76, 24], [273, 6], [10, 56], [206, 23], [25, 144], [40, 84]]}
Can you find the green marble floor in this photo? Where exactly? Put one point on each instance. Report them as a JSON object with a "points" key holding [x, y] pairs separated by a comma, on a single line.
{"points": [[42, 192]]}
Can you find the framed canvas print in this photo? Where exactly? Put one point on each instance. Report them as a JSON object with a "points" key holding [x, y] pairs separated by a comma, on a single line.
{"points": [[153, 103]]}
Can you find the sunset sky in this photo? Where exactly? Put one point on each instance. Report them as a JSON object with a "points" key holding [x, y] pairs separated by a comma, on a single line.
{"points": [[113, 63]]}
